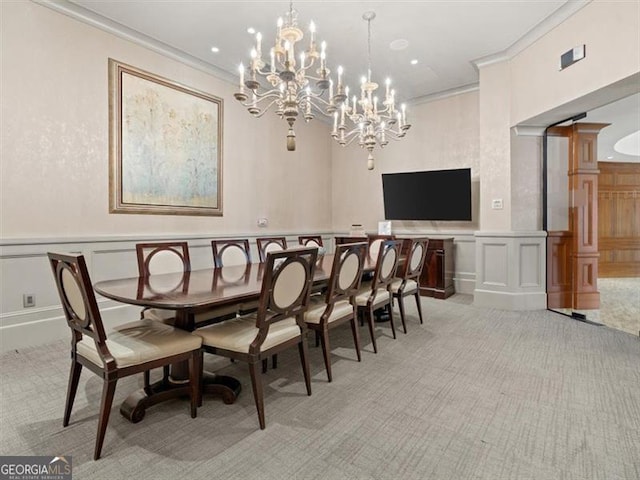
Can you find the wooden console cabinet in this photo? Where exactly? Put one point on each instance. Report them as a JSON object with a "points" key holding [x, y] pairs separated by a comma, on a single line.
{"points": [[437, 275]]}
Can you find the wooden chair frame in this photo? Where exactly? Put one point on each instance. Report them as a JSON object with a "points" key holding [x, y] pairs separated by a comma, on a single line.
{"points": [[220, 246], [382, 278], [146, 251], [411, 270], [371, 239], [335, 293], [90, 324], [344, 240], [306, 239], [264, 242], [269, 313]]}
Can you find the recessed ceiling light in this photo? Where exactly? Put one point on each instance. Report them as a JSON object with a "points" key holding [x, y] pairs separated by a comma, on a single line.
{"points": [[215, 49], [251, 30], [399, 44], [414, 61]]}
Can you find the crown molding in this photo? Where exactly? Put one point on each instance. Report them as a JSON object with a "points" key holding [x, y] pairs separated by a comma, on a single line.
{"points": [[533, 35], [98, 21], [472, 87], [528, 131]]}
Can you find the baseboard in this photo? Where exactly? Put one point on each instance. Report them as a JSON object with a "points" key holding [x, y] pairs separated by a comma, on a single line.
{"points": [[465, 282], [510, 300], [39, 330]]}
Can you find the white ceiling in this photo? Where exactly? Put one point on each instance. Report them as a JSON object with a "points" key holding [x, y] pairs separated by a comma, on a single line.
{"points": [[446, 37], [624, 117]]}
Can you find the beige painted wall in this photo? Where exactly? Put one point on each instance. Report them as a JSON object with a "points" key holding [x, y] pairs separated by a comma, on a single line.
{"points": [[444, 135], [529, 85], [54, 168], [495, 147], [611, 32], [526, 189]]}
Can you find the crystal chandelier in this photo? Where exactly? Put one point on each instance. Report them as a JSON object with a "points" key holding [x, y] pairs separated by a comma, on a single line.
{"points": [[374, 122], [289, 78]]}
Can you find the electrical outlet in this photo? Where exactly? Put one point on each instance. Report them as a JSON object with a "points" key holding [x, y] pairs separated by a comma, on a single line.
{"points": [[496, 204], [28, 300], [263, 222]]}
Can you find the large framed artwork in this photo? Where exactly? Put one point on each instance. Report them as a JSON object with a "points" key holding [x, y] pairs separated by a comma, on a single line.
{"points": [[165, 147]]}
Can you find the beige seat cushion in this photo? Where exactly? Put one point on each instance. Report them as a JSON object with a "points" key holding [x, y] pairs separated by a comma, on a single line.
{"points": [[340, 310], [139, 342], [410, 287], [237, 334], [381, 297]]}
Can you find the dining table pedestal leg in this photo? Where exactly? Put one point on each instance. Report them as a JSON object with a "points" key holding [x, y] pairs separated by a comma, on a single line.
{"points": [[135, 405]]}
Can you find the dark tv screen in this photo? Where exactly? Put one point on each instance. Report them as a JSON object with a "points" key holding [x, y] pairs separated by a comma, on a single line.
{"points": [[429, 195]]}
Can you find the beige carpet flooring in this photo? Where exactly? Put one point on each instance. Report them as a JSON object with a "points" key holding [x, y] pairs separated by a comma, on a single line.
{"points": [[472, 394], [619, 304]]}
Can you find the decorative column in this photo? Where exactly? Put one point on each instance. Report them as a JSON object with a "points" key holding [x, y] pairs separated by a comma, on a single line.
{"points": [[583, 214]]}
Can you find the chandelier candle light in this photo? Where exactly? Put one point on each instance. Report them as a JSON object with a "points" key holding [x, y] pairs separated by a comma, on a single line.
{"points": [[290, 82], [375, 122]]}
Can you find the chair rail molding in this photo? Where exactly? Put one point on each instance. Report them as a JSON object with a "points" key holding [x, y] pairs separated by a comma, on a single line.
{"points": [[25, 269], [510, 270]]}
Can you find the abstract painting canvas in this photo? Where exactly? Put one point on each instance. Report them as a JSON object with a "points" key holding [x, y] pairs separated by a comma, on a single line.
{"points": [[166, 146]]}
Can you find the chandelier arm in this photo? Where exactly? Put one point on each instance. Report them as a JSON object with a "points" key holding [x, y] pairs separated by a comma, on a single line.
{"points": [[319, 109], [354, 132], [264, 110], [345, 139], [273, 93], [258, 101], [318, 95], [393, 135], [349, 141], [304, 67]]}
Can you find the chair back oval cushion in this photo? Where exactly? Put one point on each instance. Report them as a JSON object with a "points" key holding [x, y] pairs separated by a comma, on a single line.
{"points": [[73, 295], [388, 262], [165, 261], [272, 247], [374, 248], [289, 285], [349, 271], [416, 256], [233, 255]]}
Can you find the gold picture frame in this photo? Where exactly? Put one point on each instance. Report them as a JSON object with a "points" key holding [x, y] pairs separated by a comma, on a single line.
{"points": [[165, 145]]}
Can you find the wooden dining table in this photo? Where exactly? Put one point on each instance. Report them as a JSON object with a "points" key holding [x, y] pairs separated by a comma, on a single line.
{"points": [[189, 293]]}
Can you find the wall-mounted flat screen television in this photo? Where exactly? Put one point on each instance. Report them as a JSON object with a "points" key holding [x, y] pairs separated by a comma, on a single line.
{"points": [[429, 195]]}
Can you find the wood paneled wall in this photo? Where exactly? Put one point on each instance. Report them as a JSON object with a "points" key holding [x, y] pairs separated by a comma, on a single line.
{"points": [[619, 219]]}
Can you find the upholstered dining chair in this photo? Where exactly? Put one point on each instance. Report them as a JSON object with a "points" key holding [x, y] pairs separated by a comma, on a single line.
{"points": [[337, 306], [376, 294], [169, 257], [270, 244], [166, 257], [310, 240], [408, 281], [129, 349], [237, 252], [278, 324], [375, 241], [231, 252]]}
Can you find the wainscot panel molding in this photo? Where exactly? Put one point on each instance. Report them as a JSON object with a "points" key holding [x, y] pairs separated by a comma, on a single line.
{"points": [[25, 269], [464, 260], [510, 270]]}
